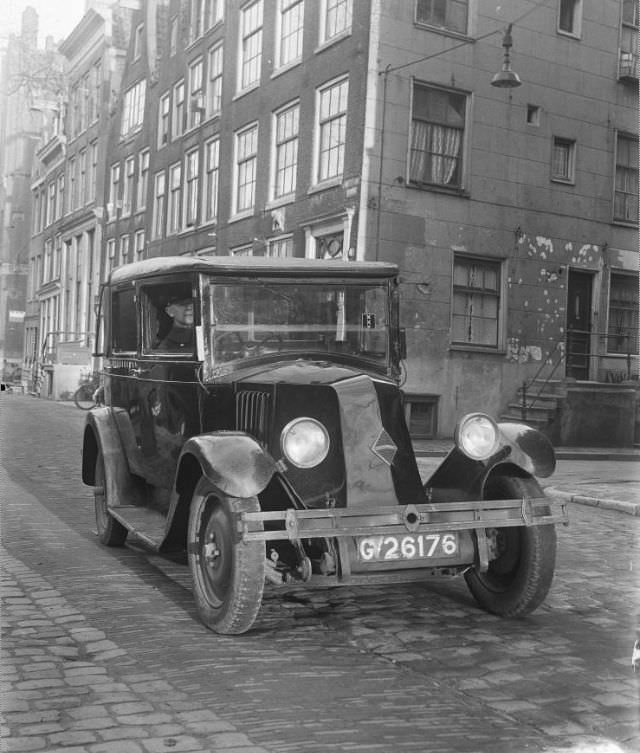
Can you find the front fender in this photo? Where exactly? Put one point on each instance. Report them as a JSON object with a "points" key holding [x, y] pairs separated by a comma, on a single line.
{"points": [[234, 463], [524, 450]]}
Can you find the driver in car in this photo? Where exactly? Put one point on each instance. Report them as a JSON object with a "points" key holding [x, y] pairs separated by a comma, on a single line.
{"points": [[181, 335]]}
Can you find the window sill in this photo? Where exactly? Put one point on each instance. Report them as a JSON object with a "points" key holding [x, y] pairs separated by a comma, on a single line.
{"points": [[569, 34], [325, 185], [285, 68], [334, 40], [624, 223], [564, 181], [463, 193], [241, 216], [242, 92], [480, 349], [444, 31], [281, 201]]}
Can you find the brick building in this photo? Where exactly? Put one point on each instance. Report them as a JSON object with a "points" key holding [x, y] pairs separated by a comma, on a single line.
{"points": [[370, 129]]}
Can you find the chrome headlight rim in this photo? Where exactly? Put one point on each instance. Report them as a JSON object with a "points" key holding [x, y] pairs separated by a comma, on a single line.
{"points": [[317, 454], [473, 446]]}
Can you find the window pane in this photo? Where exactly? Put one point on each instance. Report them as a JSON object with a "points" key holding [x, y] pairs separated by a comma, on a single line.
{"points": [[476, 302], [623, 314]]}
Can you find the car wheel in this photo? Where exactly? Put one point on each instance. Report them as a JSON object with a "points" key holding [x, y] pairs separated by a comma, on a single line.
{"points": [[519, 579], [110, 531], [228, 574]]}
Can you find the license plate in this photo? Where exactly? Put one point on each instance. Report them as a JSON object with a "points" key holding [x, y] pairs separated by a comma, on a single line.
{"points": [[414, 546]]}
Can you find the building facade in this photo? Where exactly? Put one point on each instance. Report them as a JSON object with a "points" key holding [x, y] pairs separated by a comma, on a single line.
{"points": [[370, 130]]}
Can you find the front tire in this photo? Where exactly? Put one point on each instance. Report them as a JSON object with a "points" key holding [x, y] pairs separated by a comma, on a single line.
{"points": [[518, 581], [228, 574], [110, 531]]}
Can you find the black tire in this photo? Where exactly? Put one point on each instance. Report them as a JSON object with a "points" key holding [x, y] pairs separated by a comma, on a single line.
{"points": [[228, 575], [83, 397], [110, 531], [518, 581]]}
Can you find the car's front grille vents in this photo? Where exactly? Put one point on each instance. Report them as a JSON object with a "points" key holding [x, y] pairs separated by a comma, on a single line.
{"points": [[252, 413]]}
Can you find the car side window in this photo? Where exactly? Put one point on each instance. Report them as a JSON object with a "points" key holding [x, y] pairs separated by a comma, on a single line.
{"points": [[168, 315], [124, 329]]}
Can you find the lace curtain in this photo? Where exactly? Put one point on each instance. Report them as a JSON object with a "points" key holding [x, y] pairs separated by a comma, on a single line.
{"points": [[435, 152]]}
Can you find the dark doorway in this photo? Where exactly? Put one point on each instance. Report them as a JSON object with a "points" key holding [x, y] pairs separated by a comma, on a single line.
{"points": [[579, 324]]}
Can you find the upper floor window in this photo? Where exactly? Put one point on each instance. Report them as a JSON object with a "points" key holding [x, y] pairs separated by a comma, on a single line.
{"points": [[137, 41], [60, 197], [51, 202], [476, 302], [563, 159], [629, 39], [159, 189], [96, 100], [164, 114], [175, 195], [82, 182], [250, 45], [192, 172], [290, 31], [211, 179], [177, 121], [625, 205], [143, 180], [451, 15], [570, 17], [173, 36], [133, 108], [331, 129], [128, 184], [114, 191], [196, 93], [73, 184], [336, 18], [214, 90], [437, 137], [246, 164], [93, 169], [213, 13], [204, 14], [138, 244], [285, 157]]}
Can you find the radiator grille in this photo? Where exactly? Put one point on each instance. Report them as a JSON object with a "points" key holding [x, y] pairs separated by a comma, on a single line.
{"points": [[253, 413]]}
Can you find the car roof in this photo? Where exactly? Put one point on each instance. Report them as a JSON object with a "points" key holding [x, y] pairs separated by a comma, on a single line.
{"points": [[253, 265]]}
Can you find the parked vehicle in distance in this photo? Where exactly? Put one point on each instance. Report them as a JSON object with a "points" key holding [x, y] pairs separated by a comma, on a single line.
{"points": [[253, 417]]}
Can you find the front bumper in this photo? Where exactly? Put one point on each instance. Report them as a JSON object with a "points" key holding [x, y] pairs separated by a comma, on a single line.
{"points": [[470, 518]]}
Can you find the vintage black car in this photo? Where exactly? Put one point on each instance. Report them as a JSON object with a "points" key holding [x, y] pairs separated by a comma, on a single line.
{"points": [[253, 417]]}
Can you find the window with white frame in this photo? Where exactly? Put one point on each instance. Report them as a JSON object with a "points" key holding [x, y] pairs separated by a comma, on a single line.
{"points": [[96, 92], [137, 41], [138, 242], [114, 191], [570, 17], [177, 121], [111, 254], [331, 129], [175, 194], [476, 301], [245, 251], [290, 32], [143, 180], [213, 13], [285, 155], [93, 169], [164, 116], [437, 137], [60, 197], [196, 19], [629, 35], [282, 246], [211, 179], [335, 19], [128, 185], [192, 174], [623, 313], [124, 249], [73, 184], [246, 157], [82, 176], [173, 36], [159, 197], [214, 89], [625, 205], [563, 158], [196, 93], [451, 15], [250, 45], [133, 108]]}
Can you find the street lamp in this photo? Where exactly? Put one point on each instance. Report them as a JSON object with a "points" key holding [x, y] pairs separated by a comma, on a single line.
{"points": [[506, 78]]}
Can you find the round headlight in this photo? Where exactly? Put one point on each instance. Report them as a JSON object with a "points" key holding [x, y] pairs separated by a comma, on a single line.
{"points": [[477, 436], [305, 442]]}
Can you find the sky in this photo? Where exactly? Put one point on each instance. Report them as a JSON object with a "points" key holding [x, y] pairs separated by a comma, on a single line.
{"points": [[57, 17]]}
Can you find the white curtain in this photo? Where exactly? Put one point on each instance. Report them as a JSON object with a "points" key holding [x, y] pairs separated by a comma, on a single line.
{"points": [[435, 152]]}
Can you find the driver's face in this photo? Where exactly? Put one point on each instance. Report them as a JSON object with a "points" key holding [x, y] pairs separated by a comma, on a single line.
{"points": [[181, 312]]}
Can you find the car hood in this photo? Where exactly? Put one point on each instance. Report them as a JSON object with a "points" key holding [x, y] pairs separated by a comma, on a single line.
{"points": [[303, 372]]}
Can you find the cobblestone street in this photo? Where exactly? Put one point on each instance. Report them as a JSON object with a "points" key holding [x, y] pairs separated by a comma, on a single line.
{"points": [[102, 652]]}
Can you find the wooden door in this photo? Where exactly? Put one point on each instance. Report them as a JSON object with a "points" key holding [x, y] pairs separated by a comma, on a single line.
{"points": [[579, 295]]}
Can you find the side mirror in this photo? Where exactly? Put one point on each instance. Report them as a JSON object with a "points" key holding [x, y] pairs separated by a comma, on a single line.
{"points": [[402, 342]]}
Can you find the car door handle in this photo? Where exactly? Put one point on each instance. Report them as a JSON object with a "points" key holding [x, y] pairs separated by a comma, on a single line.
{"points": [[138, 372]]}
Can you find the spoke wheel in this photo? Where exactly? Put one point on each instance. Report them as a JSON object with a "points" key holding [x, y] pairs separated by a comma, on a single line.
{"points": [[228, 574], [110, 531], [83, 397], [519, 579]]}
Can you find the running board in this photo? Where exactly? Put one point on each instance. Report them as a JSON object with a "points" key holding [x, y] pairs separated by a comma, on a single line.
{"points": [[148, 525]]}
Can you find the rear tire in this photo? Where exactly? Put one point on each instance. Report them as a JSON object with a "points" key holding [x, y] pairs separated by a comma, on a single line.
{"points": [[110, 531], [518, 581], [228, 574]]}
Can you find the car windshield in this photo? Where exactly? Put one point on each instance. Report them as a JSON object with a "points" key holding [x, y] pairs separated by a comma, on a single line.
{"points": [[283, 317]]}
